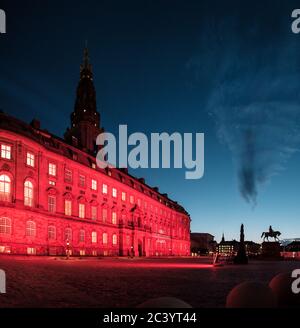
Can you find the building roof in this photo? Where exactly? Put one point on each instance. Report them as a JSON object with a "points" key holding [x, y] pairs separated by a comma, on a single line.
{"points": [[228, 242], [195, 234], [294, 246]]}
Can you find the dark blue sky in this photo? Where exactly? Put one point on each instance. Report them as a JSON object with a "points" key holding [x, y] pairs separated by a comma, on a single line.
{"points": [[228, 69]]}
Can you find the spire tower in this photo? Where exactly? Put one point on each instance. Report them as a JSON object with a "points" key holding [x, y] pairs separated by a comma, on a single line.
{"points": [[85, 119]]}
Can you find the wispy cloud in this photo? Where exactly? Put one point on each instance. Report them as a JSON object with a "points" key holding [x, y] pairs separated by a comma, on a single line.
{"points": [[254, 96]]}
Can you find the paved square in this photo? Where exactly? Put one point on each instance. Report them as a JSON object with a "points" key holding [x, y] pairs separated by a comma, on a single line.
{"points": [[122, 282]]}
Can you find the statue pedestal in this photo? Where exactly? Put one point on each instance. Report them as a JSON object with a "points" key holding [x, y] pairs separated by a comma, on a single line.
{"points": [[270, 250]]}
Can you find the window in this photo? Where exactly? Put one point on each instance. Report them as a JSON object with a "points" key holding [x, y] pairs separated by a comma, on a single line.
{"points": [[114, 239], [30, 159], [51, 233], [68, 234], [104, 238], [31, 251], [81, 236], [104, 215], [5, 187], [5, 226], [114, 192], [28, 193], [123, 196], [93, 166], [114, 218], [94, 237], [81, 180], [6, 151], [94, 212], [139, 202], [94, 184], [128, 240], [52, 169], [51, 203], [52, 183], [68, 176], [104, 188], [145, 205], [81, 213], [30, 229], [68, 207], [5, 249], [131, 199]]}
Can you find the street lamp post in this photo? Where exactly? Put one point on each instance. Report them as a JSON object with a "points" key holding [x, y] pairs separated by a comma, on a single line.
{"points": [[68, 248]]}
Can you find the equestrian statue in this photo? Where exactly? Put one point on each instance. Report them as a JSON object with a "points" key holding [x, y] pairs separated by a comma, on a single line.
{"points": [[271, 234]]}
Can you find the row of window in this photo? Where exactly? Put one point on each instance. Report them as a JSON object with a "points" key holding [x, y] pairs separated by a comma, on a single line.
{"points": [[31, 231], [5, 195], [52, 171], [6, 153]]}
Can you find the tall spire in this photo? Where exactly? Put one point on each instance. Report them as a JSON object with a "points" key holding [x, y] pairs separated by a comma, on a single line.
{"points": [[85, 119], [86, 67]]}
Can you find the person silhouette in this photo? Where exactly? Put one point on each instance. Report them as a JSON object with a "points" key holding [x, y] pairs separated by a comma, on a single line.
{"points": [[271, 230]]}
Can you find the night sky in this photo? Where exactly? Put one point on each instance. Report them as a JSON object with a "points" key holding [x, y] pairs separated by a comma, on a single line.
{"points": [[228, 69]]}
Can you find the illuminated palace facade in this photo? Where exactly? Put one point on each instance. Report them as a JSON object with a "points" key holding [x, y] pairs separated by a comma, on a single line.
{"points": [[54, 200]]}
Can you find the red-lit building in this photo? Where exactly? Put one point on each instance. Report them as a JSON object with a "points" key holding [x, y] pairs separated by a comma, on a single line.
{"points": [[54, 199]]}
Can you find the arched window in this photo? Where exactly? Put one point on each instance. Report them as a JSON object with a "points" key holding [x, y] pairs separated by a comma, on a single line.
{"points": [[104, 238], [28, 193], [68, 234], [51, 233], [5, 187], [30, 229], [5, 225], [114, 239]]}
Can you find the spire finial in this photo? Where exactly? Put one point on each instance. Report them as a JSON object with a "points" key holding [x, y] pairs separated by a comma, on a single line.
{"points": [[86, 58], [223, 238], [86, 66]]}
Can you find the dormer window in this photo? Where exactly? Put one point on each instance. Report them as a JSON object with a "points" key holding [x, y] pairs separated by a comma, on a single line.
{"points": [[74, 140]]}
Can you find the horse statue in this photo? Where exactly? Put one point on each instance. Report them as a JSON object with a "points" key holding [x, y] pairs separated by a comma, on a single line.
{"points": [[271, 234]]}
